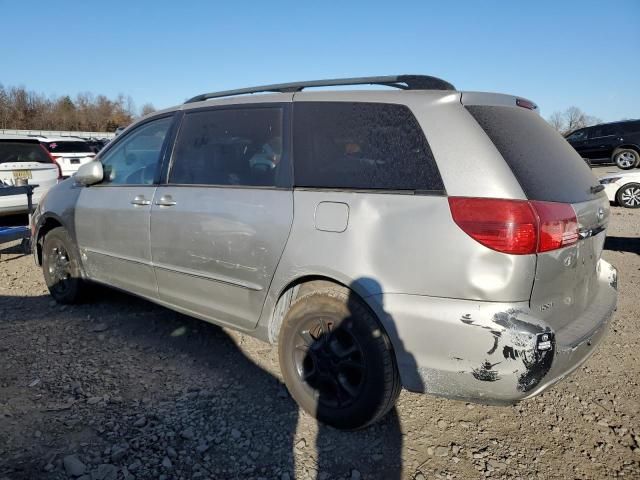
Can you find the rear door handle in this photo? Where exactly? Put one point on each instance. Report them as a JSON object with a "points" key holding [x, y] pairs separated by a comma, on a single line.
{"points": [[166, 201], [140, 200]]}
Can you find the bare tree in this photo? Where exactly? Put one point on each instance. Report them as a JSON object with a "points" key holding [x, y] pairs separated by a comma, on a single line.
{"points": [[557, 121], [146, 109], [571, 119]]}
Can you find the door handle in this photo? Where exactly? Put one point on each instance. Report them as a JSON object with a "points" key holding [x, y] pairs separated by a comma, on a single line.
{"points": [[165, 201], [140, 200]]}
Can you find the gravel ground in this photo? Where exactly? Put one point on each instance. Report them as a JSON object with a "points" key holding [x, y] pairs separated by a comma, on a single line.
{"points": [[119, 388]]}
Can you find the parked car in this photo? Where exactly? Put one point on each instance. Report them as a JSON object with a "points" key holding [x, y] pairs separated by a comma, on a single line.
{"points": [[617, 142], [24, 159], [446, 242], [623, 188], [68, 152], [96, 144]]}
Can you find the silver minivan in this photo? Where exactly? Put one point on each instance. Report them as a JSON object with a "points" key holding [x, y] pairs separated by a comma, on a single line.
{"points": [[421, 237]]}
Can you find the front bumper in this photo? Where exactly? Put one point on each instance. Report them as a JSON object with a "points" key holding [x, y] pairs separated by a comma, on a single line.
{"points": [[611, 189], [488, 352]]}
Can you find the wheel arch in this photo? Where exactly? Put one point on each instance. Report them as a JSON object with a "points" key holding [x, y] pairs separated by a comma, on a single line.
{"points": [[47, 224], [625, 146], [297, 286]]}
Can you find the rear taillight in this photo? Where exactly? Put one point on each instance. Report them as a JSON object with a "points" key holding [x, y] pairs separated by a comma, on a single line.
{"points": [[558, 225], [517, 227], [53, 160]]}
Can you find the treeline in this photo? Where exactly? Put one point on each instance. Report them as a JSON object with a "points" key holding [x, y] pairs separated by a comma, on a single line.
{"points": [[26, 110]]}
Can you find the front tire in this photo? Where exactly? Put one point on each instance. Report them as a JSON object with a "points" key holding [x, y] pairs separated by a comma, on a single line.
{"points": [[629, 195], [336, 360], [61, 267], [626, 158]]}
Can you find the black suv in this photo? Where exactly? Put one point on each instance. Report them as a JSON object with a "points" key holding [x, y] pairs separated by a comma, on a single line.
{"points": [[617, 142]]}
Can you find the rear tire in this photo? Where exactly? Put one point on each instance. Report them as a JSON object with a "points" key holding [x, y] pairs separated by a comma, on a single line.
{"points": [[626, 158], [628, 196], [336, 360], [61, 267]]}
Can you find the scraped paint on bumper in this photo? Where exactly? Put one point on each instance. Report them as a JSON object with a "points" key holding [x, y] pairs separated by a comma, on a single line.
{"points": [[496, 353]]}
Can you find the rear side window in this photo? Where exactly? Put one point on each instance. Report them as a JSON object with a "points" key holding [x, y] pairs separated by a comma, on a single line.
{"points": [[239, 146], [11, 152], [361, 146], [605, 130], [631, 127], [68, 147], [545, 164]]}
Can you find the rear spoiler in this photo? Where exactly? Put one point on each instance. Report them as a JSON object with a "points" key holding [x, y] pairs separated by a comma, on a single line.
{"points": [[497, 100], [20, 139]]}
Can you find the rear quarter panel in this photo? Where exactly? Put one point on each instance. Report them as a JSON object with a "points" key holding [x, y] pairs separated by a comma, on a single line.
{"points": [[396, 244]]}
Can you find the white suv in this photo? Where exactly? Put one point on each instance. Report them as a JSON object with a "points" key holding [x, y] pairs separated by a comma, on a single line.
{"points": [[68, 152]]}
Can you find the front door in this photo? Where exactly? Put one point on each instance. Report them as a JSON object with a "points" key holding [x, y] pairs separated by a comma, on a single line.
{"points": [[218, 228], [112, 217], [602, 141]]}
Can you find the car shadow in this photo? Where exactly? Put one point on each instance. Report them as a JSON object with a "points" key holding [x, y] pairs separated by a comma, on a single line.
{"points": [[385, 448], [122, 381], [623, 244]]}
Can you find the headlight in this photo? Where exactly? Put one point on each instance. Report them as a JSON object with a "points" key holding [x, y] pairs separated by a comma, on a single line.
{"points": [[605, 181]]}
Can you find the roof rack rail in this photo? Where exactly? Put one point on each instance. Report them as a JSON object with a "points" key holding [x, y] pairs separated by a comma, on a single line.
{"points": [[403, 82]]}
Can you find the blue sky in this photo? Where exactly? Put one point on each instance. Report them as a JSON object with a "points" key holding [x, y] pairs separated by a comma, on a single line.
{"points": [[558, 53]]}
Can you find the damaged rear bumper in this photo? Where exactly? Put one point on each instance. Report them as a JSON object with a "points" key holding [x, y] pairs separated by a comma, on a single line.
{"points": [[489, 352]]}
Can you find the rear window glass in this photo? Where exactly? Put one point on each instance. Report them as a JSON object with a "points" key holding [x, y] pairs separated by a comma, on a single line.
{"points": [[545, 164], [22, 152], [68, 147], [361, 146]]}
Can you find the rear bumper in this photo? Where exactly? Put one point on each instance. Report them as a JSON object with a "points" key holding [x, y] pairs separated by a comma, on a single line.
{"points": [[16, 204], [495, 353]]}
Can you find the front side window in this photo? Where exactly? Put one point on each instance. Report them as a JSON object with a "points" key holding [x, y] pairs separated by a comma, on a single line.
{"points": [[134, 160], [372, 146], [239, 146], [577, 136]]}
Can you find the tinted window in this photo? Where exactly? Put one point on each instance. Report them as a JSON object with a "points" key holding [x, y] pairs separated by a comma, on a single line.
{"points": [[545, 165], [240, 146], [361, 146], [68, 147], [631, 127], [22, 152], [604, 130], [577, 136], [133, 160]]}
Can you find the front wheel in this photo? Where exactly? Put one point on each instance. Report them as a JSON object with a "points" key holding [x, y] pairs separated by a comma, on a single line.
{"points": [[626, 159], [629, 195], [336, 360], [61, 267]]}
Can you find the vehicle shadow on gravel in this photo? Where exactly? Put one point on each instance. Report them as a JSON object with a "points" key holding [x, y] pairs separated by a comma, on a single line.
{"points": [[130, 388], [623, 244]]}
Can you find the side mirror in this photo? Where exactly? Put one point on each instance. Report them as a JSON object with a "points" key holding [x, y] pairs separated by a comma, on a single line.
{"points": [[89, 173]]}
